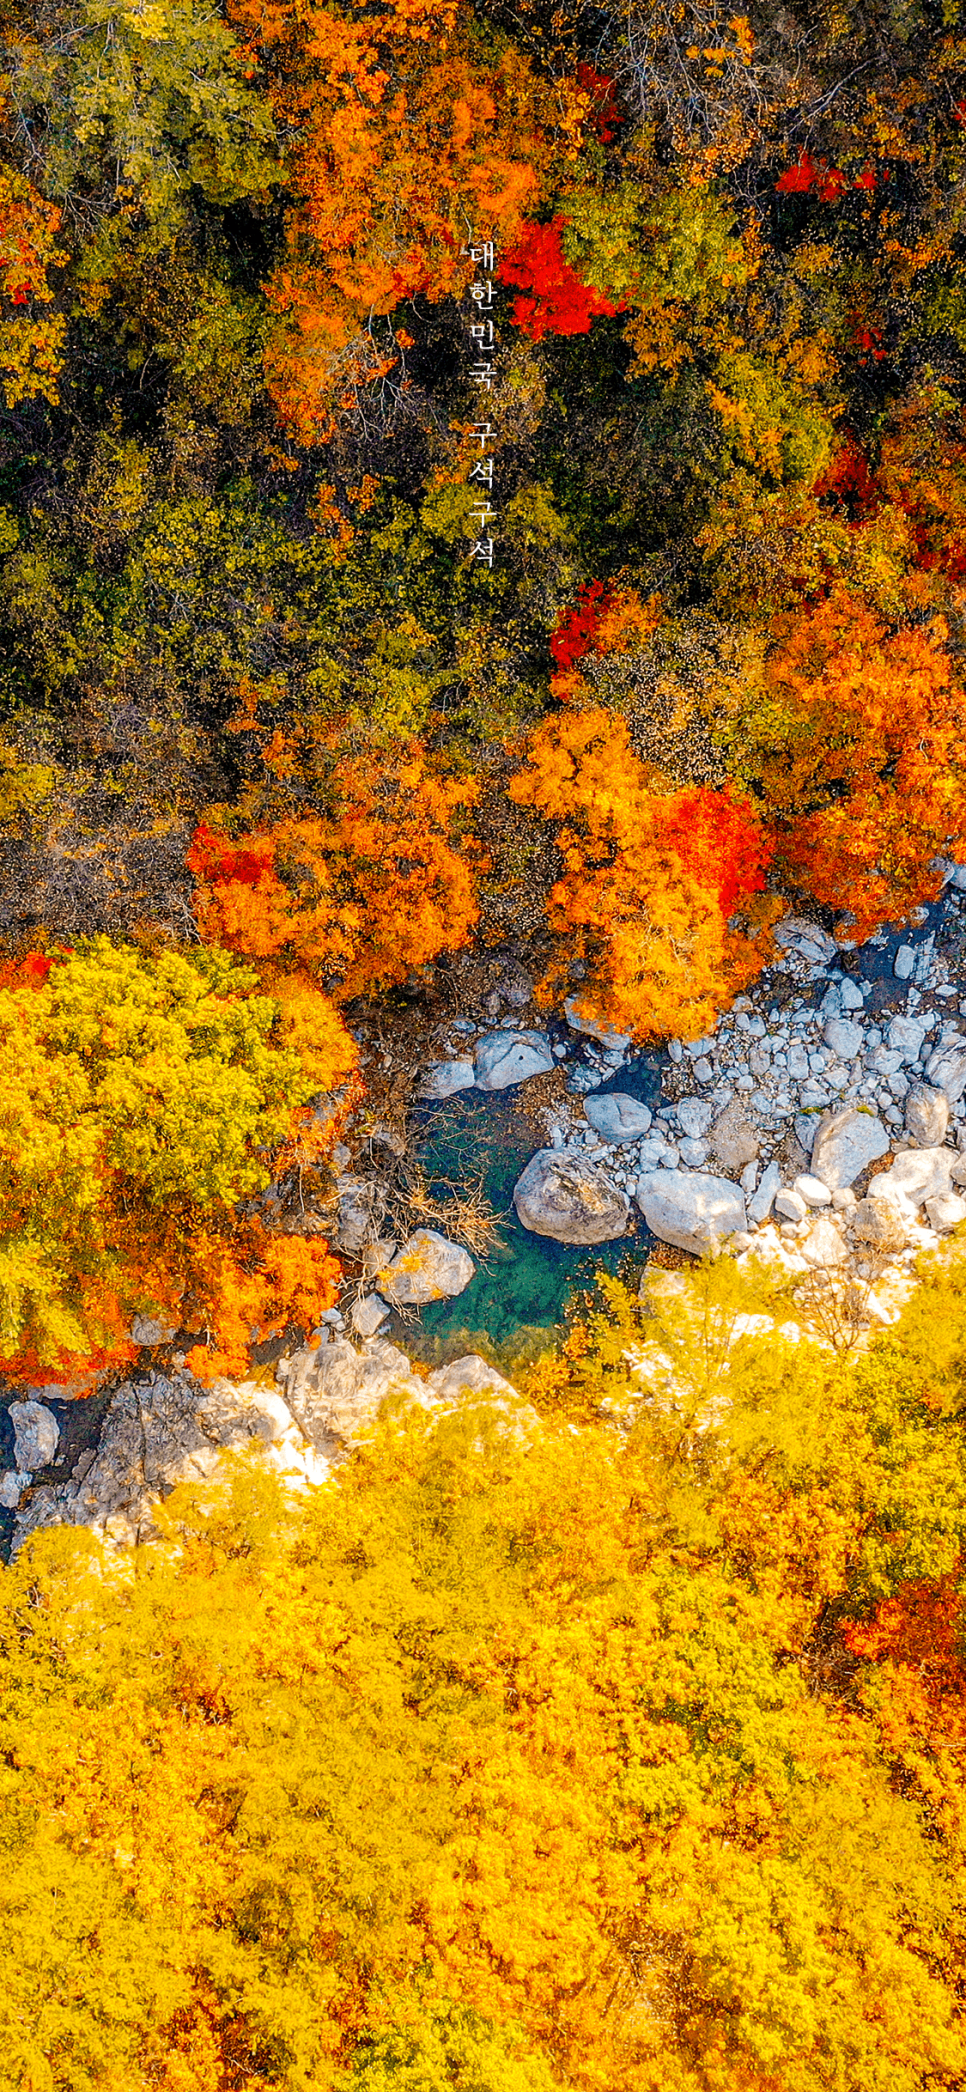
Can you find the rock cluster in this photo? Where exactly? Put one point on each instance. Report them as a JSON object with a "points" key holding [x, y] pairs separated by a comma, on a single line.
{"points": [[166, 1429], [767, 1125]]}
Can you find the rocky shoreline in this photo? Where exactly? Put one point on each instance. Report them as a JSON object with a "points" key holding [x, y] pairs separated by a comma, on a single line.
{"points": [[821, 1128]]}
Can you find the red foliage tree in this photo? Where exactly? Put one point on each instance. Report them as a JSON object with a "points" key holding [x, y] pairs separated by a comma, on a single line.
{"points": [[559, 303]]}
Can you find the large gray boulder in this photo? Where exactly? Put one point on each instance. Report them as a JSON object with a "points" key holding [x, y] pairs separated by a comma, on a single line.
{"points": [[567, 1197], [426, 1268], [617, 1117], [506, 1057], [927, 1115], [36, 1434], [689, 1208], [846, 1142]]}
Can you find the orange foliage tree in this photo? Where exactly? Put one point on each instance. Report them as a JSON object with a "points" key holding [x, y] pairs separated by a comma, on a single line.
{"points": [[649, 881], [408, 129], [380, 887], [31, 340], [856, 734]]}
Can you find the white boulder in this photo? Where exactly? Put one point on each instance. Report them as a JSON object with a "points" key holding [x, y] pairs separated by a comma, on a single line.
{"points": [[691, 1210], [845, 1143], [915, 1175], [812, 1190]]}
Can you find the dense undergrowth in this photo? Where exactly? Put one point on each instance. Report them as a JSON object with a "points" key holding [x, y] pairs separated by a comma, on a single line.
{"points": [[615, 1742]]}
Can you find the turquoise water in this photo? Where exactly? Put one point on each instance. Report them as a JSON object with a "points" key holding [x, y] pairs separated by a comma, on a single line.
{"points": [[523, 1288]]}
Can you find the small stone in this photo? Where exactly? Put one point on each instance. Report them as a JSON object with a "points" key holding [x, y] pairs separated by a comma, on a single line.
{"points": [[945, 1211], [760, 1205], [368, 1315], [675, 1050], [927, 1115], [904, 962], [749, 1178], [844, 1037], [617, 1116], [734, 1141], [791, 1205], [694, 1115], [12, 1486], [693, 1153], [884, 1060], [844, 1199], [446, 1078], [813, 1191], [946, 1070], [703, 1071], [851, 993], [904, 1035]]}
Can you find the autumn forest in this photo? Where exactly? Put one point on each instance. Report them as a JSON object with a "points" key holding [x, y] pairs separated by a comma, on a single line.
{"points": [[482, 496]]}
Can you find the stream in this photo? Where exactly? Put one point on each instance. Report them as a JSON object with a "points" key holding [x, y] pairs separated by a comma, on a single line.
{"points": [[523, 1286]]}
